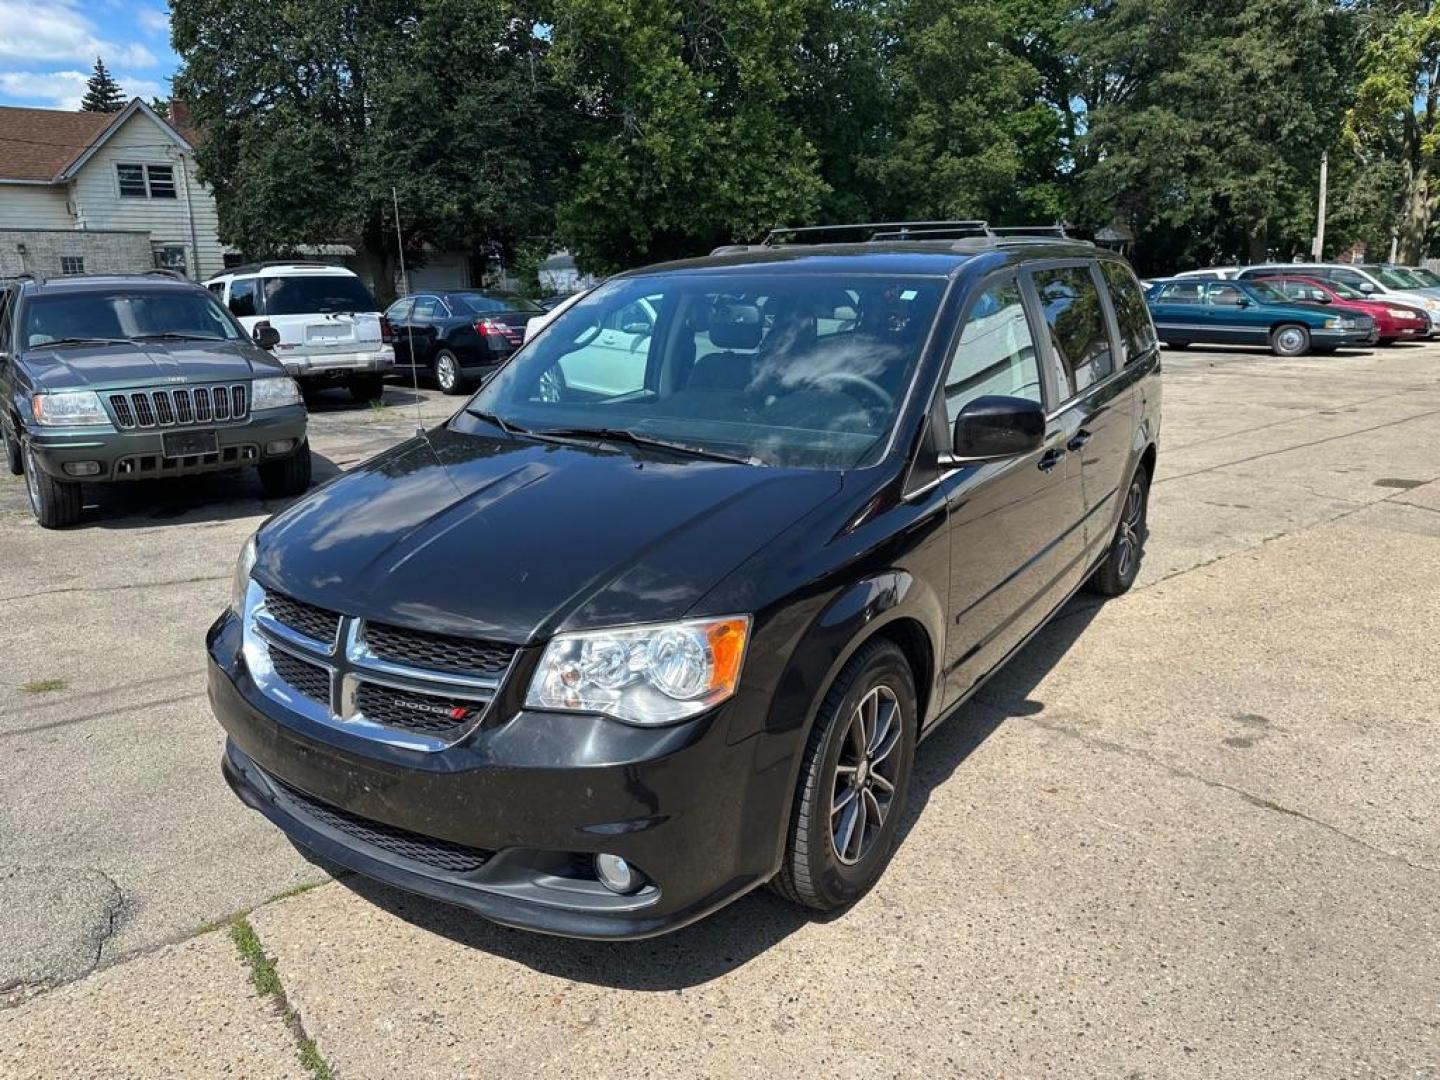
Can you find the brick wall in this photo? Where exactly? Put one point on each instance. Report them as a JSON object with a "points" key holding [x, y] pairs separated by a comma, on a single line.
{"points": [[102, 252]]}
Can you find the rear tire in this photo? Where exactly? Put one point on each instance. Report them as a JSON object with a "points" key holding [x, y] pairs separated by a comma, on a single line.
{"points": [[853, 782], [366, 388], [1290, 340], [55, 503], [447, 373], [289, 477], [1117, 573]]}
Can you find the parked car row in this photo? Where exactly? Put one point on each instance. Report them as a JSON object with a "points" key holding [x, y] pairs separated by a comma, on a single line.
{"points": [[1296, 308]]}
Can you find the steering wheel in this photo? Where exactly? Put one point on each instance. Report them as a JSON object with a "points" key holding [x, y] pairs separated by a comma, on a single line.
{"points": [[847, 381]]}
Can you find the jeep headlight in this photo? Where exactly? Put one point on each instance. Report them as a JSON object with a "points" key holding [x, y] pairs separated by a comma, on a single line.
{"points": [[643, 674], [68, 408], [273, 392], [240, 583]]}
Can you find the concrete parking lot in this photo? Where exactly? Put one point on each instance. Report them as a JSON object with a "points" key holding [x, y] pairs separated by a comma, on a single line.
{"points": [[1189, 832]]}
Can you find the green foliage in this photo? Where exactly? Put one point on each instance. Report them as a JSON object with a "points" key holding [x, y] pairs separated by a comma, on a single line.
{"points": [[102, 93]]}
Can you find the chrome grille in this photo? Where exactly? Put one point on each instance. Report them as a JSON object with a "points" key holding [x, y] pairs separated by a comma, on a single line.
{"points": [[439, 652], [313, 622], [179, 406], [312, 680], [445, 718]]}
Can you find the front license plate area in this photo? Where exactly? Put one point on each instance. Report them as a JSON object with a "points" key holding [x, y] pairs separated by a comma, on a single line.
{"points": [[175, 444]]}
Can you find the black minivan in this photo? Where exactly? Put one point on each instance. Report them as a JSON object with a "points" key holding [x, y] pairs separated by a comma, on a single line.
{"points": [[661, 615]]}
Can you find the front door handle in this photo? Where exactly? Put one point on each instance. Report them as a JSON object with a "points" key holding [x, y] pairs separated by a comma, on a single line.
{"points": [[1050, 459], [1079, 440]]}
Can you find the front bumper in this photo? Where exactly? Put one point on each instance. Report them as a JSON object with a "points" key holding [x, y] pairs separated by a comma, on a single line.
{"points": [[506, 822], [379, 361], [134, 455], [1343, 337]]}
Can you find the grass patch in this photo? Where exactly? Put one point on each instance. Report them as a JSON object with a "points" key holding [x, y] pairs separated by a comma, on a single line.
{"points": [[44, 686], [267, 984], [297, 890], [377, 406]]}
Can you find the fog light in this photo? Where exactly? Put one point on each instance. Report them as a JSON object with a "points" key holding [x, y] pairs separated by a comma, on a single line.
{"points": [[82, 468], [616, 874], [280, 446]]}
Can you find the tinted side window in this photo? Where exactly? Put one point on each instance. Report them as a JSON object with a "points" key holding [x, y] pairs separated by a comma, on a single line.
{"points": [[996, 352], [425, 308], [1223, 296], [400, 310], [1078, 338], [1347, 277], [242, 296], [1137, 332], [1181, 292]]}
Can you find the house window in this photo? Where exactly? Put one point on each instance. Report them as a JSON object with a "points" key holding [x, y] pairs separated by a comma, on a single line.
{"points": [[170, 257], [138, 181], [72, 264], [132, 180]]}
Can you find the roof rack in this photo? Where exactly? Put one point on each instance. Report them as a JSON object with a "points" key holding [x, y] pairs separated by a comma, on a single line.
{"points": [[973, 230], [250, 268]]}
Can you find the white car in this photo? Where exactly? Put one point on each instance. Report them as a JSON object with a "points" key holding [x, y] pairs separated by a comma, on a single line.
{"points": [[330, 327], [1357, 277], [1209, 273]]}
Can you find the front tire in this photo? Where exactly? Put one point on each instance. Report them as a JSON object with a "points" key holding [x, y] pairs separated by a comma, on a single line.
{"points": [[55, 503], [1117, 573], [1290, 340], [447, 373], [289, 477], [853, 782]]}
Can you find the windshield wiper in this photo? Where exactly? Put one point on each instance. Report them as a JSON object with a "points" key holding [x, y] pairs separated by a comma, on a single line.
{"points": [[82, 341], [636, 439], [491, 418], [171, 335]]}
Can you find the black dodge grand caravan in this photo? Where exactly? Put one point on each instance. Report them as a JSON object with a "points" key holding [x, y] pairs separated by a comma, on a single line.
{"points": [[663, 613]]}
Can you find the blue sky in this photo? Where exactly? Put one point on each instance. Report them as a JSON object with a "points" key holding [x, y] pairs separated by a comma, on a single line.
{"points": [[48, 49]]}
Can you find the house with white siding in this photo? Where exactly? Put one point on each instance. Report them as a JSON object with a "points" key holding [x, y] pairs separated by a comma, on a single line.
{"points": [[103, 192]]}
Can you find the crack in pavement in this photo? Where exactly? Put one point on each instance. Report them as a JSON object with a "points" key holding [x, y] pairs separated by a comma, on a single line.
{"points": [[88, 717], [112, 588], [1125, 749], [78, 948]]}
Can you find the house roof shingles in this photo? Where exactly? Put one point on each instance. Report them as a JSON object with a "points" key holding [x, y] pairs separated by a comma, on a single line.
{"points": [[37, 144]]}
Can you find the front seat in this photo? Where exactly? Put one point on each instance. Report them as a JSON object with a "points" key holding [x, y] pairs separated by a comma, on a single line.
{"points": [[733, 325]]}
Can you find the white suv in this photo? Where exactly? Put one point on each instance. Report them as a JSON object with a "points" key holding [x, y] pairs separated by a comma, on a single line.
{"points": [[330, 327]]}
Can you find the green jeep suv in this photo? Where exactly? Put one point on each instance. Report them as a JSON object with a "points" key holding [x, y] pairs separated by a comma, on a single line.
{"points": [[129, 377]]}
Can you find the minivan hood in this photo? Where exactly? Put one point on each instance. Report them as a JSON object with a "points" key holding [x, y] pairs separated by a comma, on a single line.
{"points": [[132, 363], [513, 539]]}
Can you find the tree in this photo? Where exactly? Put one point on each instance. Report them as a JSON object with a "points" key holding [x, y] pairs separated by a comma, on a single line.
{"points": [[102, 93], [312, 111], [1396, 114], [691, 137]]}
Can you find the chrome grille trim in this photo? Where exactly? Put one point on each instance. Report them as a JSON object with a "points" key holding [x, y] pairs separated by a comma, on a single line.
{"points": [[180, 406], [351, 666]]}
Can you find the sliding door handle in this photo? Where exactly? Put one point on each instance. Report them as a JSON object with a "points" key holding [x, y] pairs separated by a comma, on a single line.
{"points": [[1051, 458], [1078, 441]]}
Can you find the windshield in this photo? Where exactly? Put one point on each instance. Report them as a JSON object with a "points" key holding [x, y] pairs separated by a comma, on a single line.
{"points": [[311, 294], [1393, 278], [786, 370], [491, 303], [1266, 294], [1345, 292], [139, 314], [1425, 277]]}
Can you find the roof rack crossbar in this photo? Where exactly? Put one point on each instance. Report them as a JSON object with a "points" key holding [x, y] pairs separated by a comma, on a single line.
{"points": [[871, 229], [1057, 230], [252, 267]]}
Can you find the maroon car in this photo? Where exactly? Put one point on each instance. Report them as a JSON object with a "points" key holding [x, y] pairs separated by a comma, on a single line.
{"points": [[1393, 322]]}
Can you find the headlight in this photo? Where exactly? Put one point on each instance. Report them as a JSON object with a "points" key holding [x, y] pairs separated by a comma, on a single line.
{"points": [[273, 392], [1399, 313], [1333, 324], [68, 408], [643, 674], [1433, 305], [241, 581]]}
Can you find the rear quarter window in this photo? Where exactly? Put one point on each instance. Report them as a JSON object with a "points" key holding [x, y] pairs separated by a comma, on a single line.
{"points": [[1137, 332], [1079, 341]]}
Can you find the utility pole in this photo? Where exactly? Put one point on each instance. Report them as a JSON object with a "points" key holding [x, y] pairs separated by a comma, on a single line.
{"points": [[1318, 251]]}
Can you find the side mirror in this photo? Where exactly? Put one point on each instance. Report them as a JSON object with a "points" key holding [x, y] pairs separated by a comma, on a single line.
{"points": [[1241, 301], [1366, 287], [994, 428], [266, 336]]}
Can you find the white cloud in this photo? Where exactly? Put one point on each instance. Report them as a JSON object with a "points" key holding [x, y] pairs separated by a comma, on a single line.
{"points": [[32, 31], [64, 89], [155, 21]]}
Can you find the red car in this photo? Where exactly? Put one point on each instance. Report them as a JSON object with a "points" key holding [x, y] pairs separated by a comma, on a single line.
{"points": [[1393, 322]]}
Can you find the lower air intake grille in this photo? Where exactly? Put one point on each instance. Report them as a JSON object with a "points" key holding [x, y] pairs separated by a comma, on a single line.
{"points": [[426, 850]]}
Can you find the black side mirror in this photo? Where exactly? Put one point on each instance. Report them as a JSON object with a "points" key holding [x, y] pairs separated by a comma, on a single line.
{"points": [[995, 427], [1241, 301], [266, 336]]}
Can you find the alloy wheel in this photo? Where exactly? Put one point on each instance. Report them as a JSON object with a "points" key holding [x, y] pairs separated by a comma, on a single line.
{"points": [[1291, 340], [865, 775], [445, 373], [1127, 541]]}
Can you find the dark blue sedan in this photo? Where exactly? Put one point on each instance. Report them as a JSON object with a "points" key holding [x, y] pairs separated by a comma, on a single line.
{"points": [[1187, 310], [458, 336]]}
